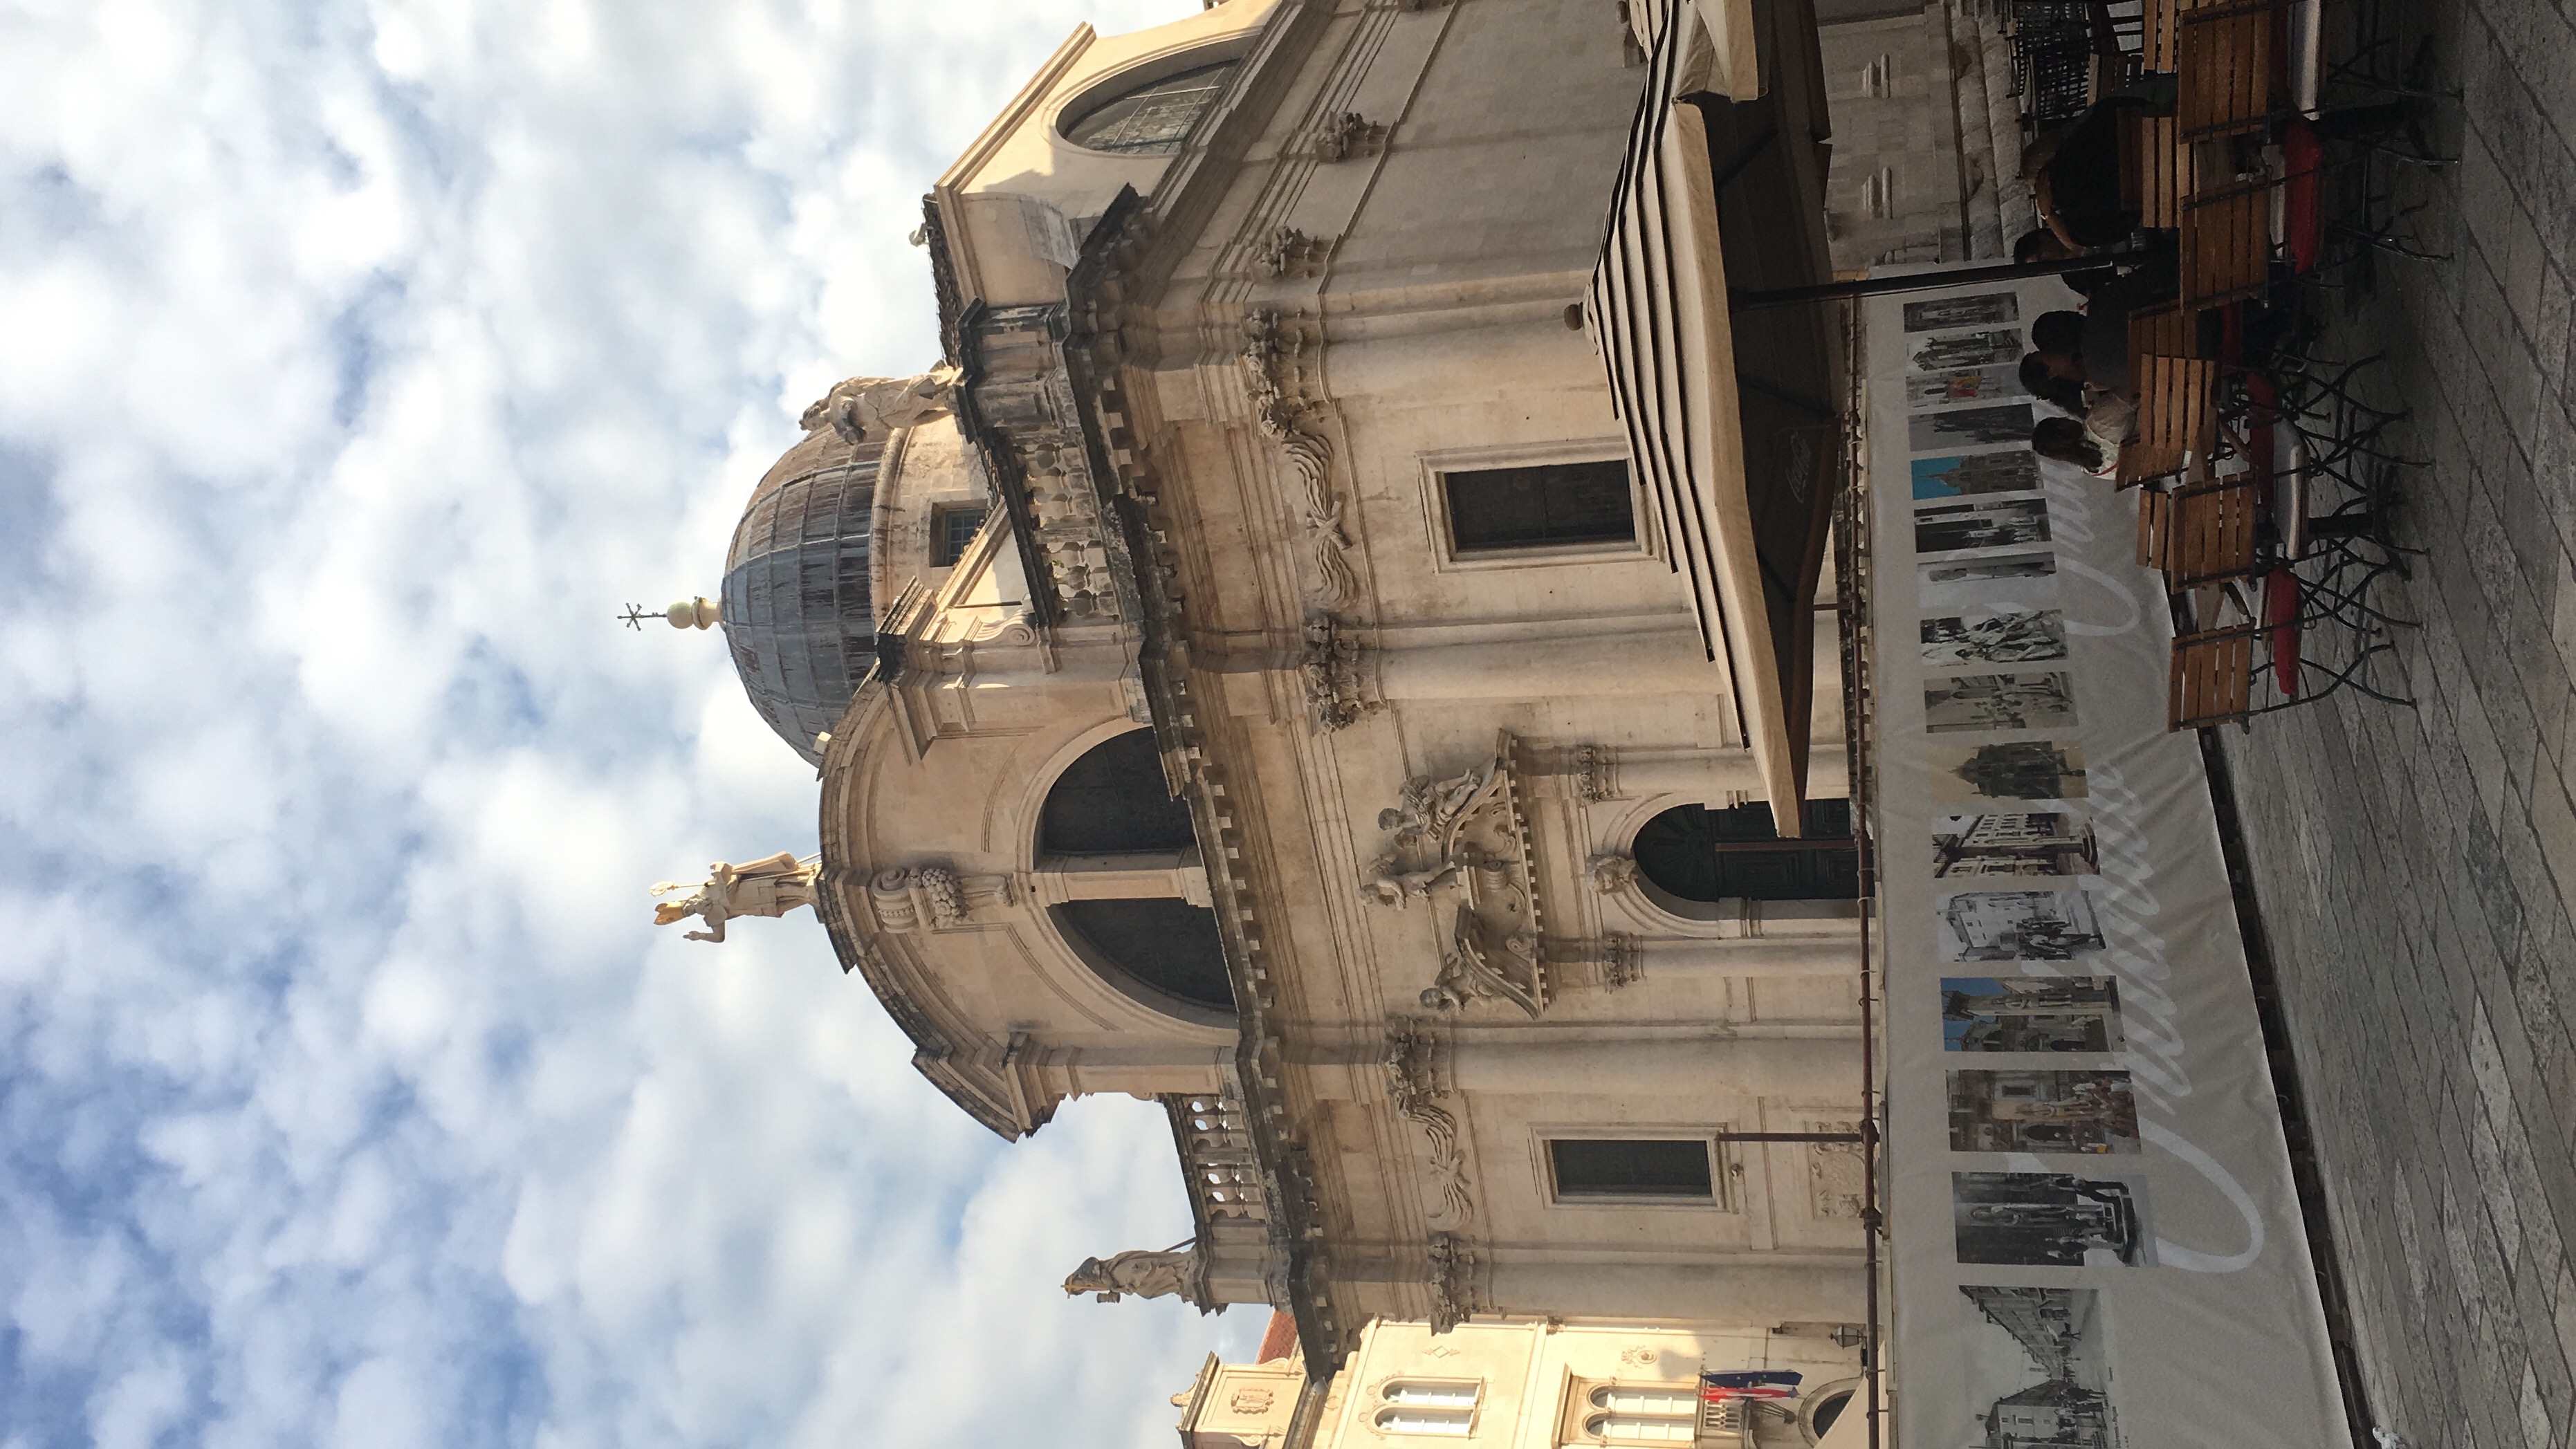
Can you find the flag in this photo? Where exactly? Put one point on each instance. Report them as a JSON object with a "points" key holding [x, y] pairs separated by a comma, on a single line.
{"points": [[1748, 1384]]}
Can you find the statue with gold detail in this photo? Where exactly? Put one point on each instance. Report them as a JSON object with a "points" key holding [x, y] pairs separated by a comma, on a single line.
{"points": [[859, 408], [770, 887]]}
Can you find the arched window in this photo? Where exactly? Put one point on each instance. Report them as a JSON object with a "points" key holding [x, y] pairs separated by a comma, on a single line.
{"points": [[1113, 801], [1122, 859], [1827, 1408], [1446, 1423], [1697, 854], [1644, 1414], [1433, 1395], [1152, 119]]}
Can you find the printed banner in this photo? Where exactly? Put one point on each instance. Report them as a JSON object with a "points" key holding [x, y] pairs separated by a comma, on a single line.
{"points": [[2096, 1241]]}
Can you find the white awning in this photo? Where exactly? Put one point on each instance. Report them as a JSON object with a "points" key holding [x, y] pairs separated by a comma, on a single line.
{"points": [[1658, 310]]}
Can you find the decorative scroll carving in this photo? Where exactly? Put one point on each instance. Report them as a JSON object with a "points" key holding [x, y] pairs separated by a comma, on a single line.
{"points": [[933, 897], [1271, 353], [1450, 1264], [1288, 252], [1836, 1181], [1330, 671], [1596, 773], [1411, 1083], [1347, 135], [1611, 872]]}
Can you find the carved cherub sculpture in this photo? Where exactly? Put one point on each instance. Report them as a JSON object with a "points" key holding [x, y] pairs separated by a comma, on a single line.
{"points": [[858, 408]]}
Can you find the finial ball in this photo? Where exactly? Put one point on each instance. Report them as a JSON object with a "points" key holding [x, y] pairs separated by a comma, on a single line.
{"points": [[696, 613]]}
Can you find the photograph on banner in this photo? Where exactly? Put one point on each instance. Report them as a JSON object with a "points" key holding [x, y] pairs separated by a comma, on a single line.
{"points": [[1974, 702], [2048, 1220], [2007, 425], [2029, 842], [2002, 1109], [1968, 384], [1985, 309], [1964, 475], [2007, 636], [2032, 770], [1988, 523], [2039, 1362], [2030, 1014], [1972, 583], [1962, 350], [2018, 926]]}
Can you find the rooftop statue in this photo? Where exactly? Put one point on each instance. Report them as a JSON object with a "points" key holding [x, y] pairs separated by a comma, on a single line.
{"points": [[770, 887], [1173, 1271], [858, 408]]}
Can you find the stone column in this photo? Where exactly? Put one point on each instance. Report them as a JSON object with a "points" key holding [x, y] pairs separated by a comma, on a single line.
{"points": [[1699, 955]]}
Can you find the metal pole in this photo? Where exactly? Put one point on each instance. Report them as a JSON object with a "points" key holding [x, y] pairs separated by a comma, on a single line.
{"points": [[1754, 300]]}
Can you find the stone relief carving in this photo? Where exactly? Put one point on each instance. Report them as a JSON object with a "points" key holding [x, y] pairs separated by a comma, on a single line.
{"points": [[1250, 1401], [1596, 773], [858, 408], [1330, 673], [1837, 1185], [1411, 1083], [1611, 872], [1476, 968], [1347, 135], [769, 887], [1271, 360], [1469, 831], [1609, 963], [934, 897], [1450, 1263], [1288, 252], [1177, 1271]]}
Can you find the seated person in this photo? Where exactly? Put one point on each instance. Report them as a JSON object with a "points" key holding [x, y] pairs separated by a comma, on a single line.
{"points": [[2042, 378], [2039, 244], [2069, 441], [2074, 176]]}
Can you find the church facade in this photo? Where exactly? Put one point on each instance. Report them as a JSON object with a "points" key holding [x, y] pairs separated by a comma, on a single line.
{"points": [[1333, 650]]}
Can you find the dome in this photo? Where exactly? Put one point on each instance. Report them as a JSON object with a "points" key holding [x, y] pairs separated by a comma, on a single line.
{"points": [[797, 611]]}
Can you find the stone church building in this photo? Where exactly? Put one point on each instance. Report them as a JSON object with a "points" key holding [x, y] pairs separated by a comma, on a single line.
{"points": [[1334, 649]]}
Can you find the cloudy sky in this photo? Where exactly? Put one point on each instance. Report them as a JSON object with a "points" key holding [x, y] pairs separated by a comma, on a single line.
{"points": [[357, 362]]}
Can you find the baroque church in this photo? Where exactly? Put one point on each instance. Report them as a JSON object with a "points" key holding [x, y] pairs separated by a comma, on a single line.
{"points": [[1333, 648]]}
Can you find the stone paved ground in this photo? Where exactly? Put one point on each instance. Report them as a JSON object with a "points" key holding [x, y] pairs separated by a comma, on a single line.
{"points": [[2415, 870]]}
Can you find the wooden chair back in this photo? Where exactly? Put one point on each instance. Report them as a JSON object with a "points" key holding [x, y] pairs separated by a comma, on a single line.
{"points": [[2211, 533], [2152, 168], [2226, 244], [2212, 679], [2176, 417], [2155, 529], [2223, 69]]}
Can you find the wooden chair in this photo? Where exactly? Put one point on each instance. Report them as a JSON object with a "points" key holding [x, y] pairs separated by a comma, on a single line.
{"points": [[2176, 416], [2151, 170], [2155, 528], [2226, 244], [2212, 678], [2223, 69], [2210, 532], [2160, 26]]}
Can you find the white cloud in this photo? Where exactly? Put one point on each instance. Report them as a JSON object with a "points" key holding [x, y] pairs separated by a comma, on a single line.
{"points": [[361, 361]]}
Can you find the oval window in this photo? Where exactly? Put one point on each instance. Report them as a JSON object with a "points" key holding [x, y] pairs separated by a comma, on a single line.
{"points": [[1152, 119]]}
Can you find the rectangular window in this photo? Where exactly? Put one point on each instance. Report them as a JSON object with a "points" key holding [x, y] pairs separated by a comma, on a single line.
{"points": [[951, 529], [1607, 1167], [1540, 506]]}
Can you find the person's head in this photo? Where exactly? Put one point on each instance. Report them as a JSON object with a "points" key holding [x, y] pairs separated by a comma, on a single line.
{"points": [[2040, 379], [2067, 441], [2039, 244], [2058, 334]]}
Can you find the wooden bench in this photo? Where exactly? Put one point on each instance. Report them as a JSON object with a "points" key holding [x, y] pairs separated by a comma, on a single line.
{"points": [[2212, 679], [2152, 170], [2223, 69]]}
